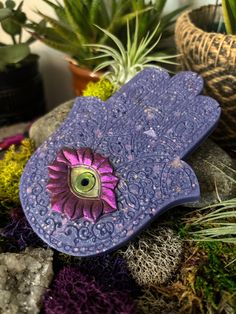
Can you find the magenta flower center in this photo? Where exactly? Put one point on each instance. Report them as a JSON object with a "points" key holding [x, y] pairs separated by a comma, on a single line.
{"points": [[82, 184]]}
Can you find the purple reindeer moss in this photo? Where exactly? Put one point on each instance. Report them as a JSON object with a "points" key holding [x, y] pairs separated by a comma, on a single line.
{"points": [[19, 233], [77, 293], [111, 272]]}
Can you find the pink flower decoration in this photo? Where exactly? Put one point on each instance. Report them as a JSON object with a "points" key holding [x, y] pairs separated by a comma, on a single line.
{"points": [[82, 184]]}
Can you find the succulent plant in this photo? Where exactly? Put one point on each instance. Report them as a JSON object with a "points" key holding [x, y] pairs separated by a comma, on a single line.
{"points": [[12, 21], [74, 25]]}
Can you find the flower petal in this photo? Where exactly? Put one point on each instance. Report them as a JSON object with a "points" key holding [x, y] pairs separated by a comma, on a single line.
{"points": [[57, 174], [58, 166], [109, 181], [61, 158], [98, 160], [71, 156], [108, 209], [58, 204], [56, 183], [78, 209], [87, 209], [108, 195], [58, 189], [109, 178], [97, 209], [72, 207], [105, 167], [85, 156]]}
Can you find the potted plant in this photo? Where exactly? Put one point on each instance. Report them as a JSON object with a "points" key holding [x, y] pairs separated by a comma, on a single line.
{"points": [[206, 39], [124, 61], [74, 28], [21, 88]]}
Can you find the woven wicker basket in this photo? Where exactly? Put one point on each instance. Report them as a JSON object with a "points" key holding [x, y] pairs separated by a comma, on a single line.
{"points": [[213, 56]]}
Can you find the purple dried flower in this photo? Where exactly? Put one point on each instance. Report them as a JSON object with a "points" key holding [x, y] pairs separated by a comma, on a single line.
{"points": [[77, 293], [82, 184], [19, 233]]}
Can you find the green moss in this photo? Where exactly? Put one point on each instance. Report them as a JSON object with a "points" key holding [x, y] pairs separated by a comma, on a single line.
{"points": [[102, 89], [214, 278], [11, 168]]}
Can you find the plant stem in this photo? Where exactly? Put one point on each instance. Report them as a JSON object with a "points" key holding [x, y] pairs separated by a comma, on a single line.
{"points": [[13, 39]]}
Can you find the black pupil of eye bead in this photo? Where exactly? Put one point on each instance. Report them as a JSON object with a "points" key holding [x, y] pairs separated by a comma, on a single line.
{"points": [[85, 182]]}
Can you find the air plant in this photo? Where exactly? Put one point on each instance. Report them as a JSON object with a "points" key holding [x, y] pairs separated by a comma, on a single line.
{"points": [[123, 63], [218, 224]]}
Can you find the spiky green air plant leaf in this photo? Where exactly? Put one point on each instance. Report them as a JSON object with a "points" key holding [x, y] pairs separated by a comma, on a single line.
{"points": [[229, 13], [219, 223], [125, 62]]}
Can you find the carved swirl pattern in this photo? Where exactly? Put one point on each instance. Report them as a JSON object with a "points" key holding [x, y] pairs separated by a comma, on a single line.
{"points": [[145, 129]]}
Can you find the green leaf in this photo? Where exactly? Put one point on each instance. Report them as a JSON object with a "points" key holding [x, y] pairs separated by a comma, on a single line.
{"points": [[30, 40], [94, 11], [20, 6], [20, 17], [11, 27], [229, 13], [133, 15], [10, 4], [4, 14], [13, 54], [59, 11], [60, 28], [63, 47], [159, 7]]}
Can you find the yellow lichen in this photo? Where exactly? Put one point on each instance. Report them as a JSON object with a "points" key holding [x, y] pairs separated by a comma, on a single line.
{"points": [[102, 89], [11, 168]]}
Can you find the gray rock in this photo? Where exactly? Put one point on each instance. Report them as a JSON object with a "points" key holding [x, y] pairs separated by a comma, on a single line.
{"points": [[23, 280], [210, 162], [45, 126]]}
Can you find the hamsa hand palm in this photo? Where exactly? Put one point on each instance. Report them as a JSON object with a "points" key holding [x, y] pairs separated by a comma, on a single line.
{"points": [[146, 130]]}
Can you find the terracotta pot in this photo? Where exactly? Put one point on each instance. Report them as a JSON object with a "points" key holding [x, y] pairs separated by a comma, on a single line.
{"points": [[213, 56], [81, 77]]}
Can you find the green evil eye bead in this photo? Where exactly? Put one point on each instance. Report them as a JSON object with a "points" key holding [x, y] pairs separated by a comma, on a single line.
{"points": [[85, 182]]}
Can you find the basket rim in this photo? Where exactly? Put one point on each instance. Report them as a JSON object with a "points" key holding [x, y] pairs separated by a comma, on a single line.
{"points": [[187, 18]]}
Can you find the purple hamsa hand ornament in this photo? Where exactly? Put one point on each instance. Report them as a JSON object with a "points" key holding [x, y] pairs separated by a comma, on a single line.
{"points": [[112, 167]]}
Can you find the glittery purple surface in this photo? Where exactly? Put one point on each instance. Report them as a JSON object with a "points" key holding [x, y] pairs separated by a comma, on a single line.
{"points": [[146, 130]]}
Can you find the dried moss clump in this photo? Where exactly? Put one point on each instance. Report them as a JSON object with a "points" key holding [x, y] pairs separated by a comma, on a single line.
{"points": [[153, 302], [155, 256], [204, 283], [11, 168], [102, 89]]}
